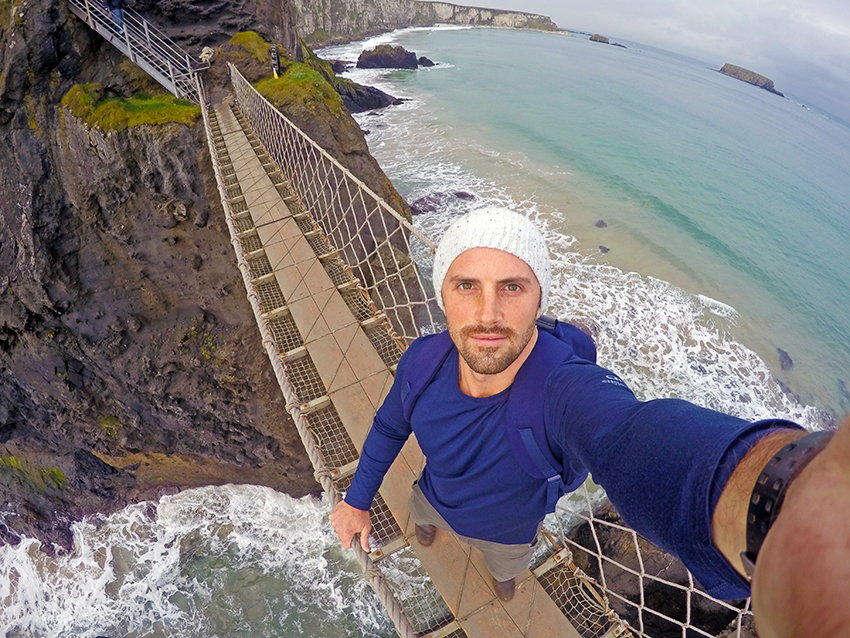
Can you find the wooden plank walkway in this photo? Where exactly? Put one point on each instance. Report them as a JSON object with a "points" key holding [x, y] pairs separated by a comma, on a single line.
{"points": [[356, 380]]}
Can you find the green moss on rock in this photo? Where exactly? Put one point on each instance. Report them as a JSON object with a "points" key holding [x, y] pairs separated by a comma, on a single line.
{"points": [[110, 424], [40, 478], [301, 88], [86, 102], [253, 44]]}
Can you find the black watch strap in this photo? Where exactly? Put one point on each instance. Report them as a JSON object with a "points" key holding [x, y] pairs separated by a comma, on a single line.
{"points": [[770, 488]]}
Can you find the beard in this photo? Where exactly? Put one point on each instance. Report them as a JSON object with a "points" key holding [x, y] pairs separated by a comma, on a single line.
{"points": [[495, 359]]}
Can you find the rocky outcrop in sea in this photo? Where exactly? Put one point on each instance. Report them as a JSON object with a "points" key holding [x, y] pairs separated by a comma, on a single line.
{"points": [[386, 56], [750, 77]]}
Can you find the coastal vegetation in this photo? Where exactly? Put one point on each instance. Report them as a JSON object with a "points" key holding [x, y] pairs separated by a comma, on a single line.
{"points": [[301, 87], [87, 102], [253, 44], [16, 469]]}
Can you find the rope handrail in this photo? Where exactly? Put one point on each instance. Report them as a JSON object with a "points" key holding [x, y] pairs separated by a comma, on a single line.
{"points": [[382, 248]]}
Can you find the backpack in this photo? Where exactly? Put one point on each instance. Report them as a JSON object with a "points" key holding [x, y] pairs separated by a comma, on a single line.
{"points": [[524, 416]]}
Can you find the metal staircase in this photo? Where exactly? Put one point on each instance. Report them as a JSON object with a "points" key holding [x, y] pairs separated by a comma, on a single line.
{"points": [[158, 55]]}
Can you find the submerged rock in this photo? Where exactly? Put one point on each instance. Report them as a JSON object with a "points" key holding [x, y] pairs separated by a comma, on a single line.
{"points": [[601, 224], [436, 201], [785, 359]]}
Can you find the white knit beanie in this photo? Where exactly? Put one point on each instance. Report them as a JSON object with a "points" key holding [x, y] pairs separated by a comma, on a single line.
{"points": [[494, 228]]}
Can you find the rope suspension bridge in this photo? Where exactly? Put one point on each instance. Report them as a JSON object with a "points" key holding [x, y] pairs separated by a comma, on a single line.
{"points": [[334, 276]]}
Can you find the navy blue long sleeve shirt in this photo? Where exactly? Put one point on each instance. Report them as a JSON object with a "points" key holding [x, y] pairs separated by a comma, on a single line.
{"points": [[663, 463]]}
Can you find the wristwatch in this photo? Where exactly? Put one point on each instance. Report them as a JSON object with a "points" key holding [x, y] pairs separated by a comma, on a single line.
{"points": [[771, 487]]}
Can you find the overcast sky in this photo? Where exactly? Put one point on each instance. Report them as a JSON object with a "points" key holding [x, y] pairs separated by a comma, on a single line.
{"points": [[802, 45]]}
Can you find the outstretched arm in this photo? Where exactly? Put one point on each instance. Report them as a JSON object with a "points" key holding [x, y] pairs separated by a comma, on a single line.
{"points": [[801, 585], [729, 522]]}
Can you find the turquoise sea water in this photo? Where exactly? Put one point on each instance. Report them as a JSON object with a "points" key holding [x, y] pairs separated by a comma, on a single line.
{"points": [[727, 237]]}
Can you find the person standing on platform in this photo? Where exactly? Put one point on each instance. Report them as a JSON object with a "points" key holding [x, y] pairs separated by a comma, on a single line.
{"points": [[117, 9], [738, 502]]}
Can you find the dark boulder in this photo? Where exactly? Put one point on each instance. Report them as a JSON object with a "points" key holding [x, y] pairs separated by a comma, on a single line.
{"points": [[359, 98], [441, 201], [423, 61], [339, 66], [785, 359], [385, 56]]}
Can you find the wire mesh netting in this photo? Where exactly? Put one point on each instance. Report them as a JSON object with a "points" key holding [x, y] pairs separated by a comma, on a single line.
{"points": [[251, 243], [415, 592], [384, 527], [271, 298], [260, 267], [359, 303], [331, 437], [337, 271], [305, 379], [385, 343]]}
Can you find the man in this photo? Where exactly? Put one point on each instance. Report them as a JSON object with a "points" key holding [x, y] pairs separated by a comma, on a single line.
{"points": [[680, 475], [117, 9]]}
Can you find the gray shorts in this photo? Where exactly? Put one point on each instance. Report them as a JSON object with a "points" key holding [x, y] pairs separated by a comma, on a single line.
{"points": [[503, 561]]}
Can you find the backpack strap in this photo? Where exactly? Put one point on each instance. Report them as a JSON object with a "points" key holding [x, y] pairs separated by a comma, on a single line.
{"points": [[581, 343], [524, 423], [432, 351]]}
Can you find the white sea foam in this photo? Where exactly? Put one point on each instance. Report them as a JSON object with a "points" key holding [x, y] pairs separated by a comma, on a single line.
{"points": [[225, 561], [352, 50]]}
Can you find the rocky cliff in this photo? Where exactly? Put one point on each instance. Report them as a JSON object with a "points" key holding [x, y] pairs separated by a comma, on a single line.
{"points": [[332, 21], [130, 364], [745, 75]]}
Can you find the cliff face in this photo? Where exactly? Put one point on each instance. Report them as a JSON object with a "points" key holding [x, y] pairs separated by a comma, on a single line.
{"points": [[198, 23], [130, 364], [745, 75], [329, 21]]}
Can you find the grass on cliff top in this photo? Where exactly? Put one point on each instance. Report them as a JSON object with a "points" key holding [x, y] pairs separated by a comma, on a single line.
{"points": [[115, 114], [301, 86], [324, 68], [253, 44]]}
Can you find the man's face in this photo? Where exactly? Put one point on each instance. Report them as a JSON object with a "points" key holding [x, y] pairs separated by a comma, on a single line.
{"points": [[492, 300]]}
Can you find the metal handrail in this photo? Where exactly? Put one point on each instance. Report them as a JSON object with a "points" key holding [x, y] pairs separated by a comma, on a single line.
{"points": [[146, 45]]}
